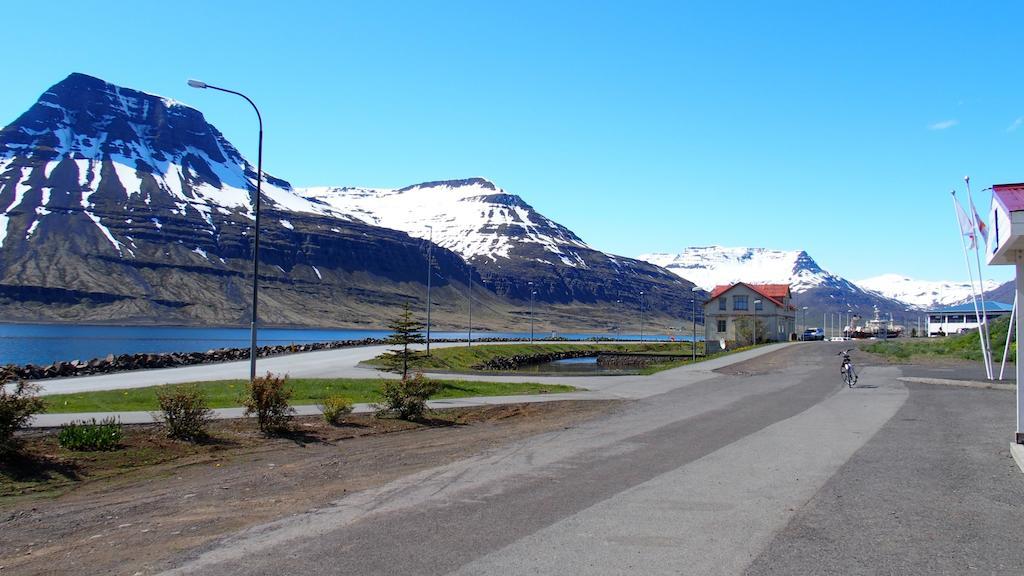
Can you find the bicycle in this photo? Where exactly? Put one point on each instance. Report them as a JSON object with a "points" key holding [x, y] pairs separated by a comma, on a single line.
{"points": [[846, 369]]}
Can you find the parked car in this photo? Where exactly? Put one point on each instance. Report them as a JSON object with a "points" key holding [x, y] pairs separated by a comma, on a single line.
{"points": [[813, 334]]}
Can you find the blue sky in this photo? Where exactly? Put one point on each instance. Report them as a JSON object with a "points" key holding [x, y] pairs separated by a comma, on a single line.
{"points": [[835, 127]]}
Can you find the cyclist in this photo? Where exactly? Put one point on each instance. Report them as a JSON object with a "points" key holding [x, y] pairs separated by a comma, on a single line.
{"points": [[846, 369]]}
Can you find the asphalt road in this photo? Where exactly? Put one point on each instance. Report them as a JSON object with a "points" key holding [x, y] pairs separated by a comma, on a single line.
{"points": [[772, 467]]}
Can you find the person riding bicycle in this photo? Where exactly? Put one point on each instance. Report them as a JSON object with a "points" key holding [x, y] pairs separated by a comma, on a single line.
{"points": [[846, 368]]}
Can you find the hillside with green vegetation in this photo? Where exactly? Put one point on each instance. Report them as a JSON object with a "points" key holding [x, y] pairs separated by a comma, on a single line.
{"points": [[961, 346]]}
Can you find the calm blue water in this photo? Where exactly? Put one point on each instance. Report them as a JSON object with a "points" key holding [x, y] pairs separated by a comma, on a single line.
{"points": [[42, 344]]}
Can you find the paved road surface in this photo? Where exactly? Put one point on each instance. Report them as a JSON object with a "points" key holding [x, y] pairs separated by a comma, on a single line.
{"points": [[774, 468]]}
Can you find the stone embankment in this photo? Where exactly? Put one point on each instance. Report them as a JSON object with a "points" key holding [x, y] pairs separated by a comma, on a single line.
{"points": [[522, 360], [627, 360], [127, 362], [607, 359]]}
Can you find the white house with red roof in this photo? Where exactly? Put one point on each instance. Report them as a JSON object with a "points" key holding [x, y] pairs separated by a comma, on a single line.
{"points": [[733, 311]]}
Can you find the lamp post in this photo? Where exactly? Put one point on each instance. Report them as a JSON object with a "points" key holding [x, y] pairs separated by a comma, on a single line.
{"points": [[256, 234], [693, 313], [532, 294], [641, 316], [756, 304], [804, 322], [618, 325], [469, 337], [430, 256]]}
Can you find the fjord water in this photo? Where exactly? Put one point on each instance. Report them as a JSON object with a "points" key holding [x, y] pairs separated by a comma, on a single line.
{"points": [[42, 344]]}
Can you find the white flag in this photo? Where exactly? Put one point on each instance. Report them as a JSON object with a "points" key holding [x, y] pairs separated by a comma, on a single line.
{"points": [[982, 228], [966, 225]]}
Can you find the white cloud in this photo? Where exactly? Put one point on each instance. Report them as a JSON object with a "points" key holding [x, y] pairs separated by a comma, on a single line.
{"points": [[943, 125], [1016, 124]]}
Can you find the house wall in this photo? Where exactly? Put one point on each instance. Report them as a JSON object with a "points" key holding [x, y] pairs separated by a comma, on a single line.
{"points": [[777, 323]]}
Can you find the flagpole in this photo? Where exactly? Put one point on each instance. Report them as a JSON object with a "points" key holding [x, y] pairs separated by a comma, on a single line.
{"points": [[957, 210], [1009, 333], [981, 281]]}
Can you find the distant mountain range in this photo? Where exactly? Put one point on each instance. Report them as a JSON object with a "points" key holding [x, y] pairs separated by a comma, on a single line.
{"points": [[819, 290], [122, 206], [922, 294]]}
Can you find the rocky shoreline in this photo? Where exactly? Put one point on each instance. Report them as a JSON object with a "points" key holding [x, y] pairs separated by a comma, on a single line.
{"points": [[128, 362]]}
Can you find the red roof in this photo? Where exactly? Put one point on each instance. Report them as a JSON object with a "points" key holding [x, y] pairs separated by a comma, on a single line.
{"points": [[773, 292], [1011, 196]]}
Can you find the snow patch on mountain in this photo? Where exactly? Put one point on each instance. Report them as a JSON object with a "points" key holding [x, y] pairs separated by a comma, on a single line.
{"points": [[472, 217], [709, 266], [188, 160], [922, 293]]}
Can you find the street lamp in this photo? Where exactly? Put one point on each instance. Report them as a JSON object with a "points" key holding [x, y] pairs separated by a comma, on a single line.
{"points": [[256, 235], [532, 294], [641, 316], [430, 247], [756, 304], [693, 314], [804, 322], [618, 325], [469, 337]]}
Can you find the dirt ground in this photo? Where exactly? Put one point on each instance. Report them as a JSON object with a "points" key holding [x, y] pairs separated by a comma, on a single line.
{"points": [[124, 512]]}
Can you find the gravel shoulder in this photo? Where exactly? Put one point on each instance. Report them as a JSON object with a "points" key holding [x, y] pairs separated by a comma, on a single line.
{"points": [[127, 522]]}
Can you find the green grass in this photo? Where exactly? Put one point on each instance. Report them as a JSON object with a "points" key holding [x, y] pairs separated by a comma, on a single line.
{"points": [[226, 393], [463, 358], [961, 346]]}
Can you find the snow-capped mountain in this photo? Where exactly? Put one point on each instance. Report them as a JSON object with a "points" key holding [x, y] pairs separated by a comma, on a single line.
{"points": [[118, 205], [510, 243], [139, 207], [922, 293], [709, 266], [814, 287], [472, 217]]}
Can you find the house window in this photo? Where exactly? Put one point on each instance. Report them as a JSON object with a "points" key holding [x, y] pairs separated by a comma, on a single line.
{"points": [[721, 325], [935, 319], [971, 318], [955, 319], [758, 305], [721, 302], [739, 303]]}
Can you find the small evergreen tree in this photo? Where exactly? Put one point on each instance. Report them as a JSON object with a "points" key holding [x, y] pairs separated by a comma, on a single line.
{"points": [[405, 330]]}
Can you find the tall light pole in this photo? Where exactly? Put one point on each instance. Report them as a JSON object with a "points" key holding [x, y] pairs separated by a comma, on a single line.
{"points": [[256, 234], [641, 316], [756, 304], [469, 338], [430, 255], [693, 313], [804, 323], [618, 325], [532, 294]]}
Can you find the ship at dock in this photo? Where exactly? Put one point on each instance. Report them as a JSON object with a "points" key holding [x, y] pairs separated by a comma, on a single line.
{"points": [[877, 327]]}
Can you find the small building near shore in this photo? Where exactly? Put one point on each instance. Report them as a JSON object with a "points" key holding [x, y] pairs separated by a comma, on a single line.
{"points": [[962, 317], [731, 311]]}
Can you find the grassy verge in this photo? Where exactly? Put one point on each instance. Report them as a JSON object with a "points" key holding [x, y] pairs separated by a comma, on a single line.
{"points": [[463, 358], [961, 346], [226, 393]]}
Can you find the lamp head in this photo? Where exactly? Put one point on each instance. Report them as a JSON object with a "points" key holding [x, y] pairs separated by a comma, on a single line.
{"points": [[197, 84]]}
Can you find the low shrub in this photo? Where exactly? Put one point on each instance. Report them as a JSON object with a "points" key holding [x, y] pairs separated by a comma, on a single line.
{"points": [[268, 398], [407, 398], [184, 412], [18, 405], [91, 436], [335, 408]]}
